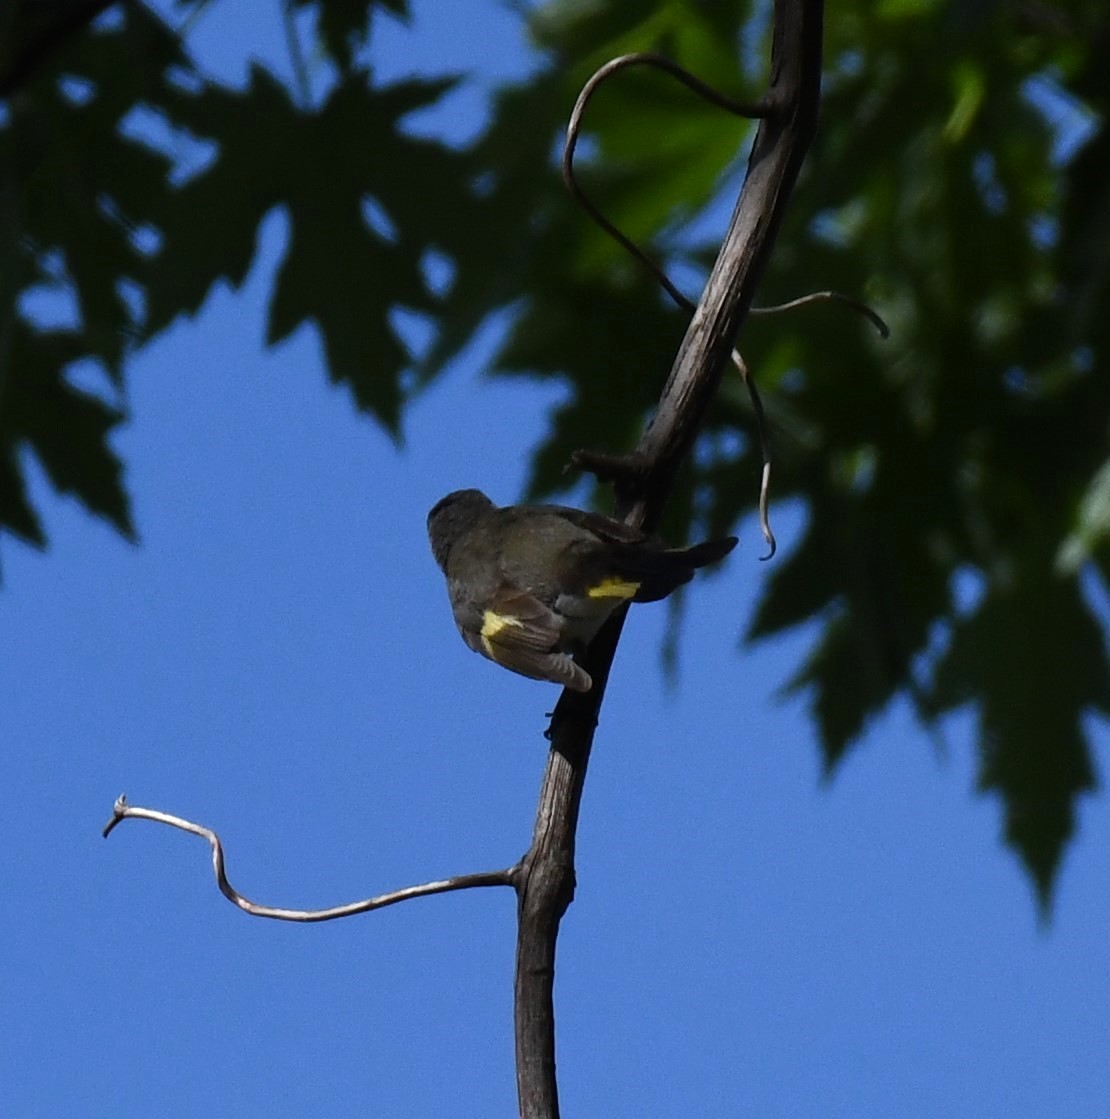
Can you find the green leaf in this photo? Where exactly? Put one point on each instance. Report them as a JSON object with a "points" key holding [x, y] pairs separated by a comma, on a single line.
{"points": [[16, 514], [66, 429], [508, 235], [617, 342], [324, 166], [344, 25], [208, 233], [1033, 660], [84, 188]]}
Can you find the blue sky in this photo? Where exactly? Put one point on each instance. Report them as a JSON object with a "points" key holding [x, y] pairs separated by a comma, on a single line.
{"points": [[277, 660]]}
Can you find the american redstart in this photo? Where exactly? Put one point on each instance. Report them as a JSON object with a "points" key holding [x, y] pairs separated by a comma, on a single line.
{"points": [[530, 585]]}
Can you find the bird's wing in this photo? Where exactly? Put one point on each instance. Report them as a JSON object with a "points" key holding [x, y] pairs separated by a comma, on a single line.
{"points": [[520, 633], [606, 528]]}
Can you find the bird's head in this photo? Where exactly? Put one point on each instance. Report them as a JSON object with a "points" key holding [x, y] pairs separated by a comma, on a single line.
{"points": [[452, 516]]}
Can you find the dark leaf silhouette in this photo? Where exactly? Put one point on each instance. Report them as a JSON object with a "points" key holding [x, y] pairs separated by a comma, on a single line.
{"points": [[959, 183]]}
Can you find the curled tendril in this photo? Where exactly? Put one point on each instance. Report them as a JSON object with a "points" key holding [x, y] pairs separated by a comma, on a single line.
{"points": [[754, 111]]}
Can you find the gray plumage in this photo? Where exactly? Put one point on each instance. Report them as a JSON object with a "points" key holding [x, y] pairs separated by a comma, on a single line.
{"points": [[530, 585]]}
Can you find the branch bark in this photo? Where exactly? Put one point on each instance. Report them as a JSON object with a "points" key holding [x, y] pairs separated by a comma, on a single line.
{"points": [[545, 884]]}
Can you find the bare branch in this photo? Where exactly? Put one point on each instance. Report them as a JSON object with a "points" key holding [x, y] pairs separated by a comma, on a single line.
{"points": [[124, 811], [546, 883]]}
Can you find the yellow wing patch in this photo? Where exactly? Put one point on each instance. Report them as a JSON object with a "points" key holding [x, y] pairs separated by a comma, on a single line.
{"points": [[492, 625], [614, 587]]}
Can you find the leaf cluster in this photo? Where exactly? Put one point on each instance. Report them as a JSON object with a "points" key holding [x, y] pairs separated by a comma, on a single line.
{"points": [[957, 532], [955, 479], [133, 185]]}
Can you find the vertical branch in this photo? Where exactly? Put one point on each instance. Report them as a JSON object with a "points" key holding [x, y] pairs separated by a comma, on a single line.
{"points": [[546, 884]]}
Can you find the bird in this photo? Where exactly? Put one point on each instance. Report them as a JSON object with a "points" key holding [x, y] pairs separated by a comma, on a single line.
{"points": [[530, 585]]}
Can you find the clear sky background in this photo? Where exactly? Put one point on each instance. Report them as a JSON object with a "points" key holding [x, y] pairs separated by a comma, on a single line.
{"points": [[277, 660]]}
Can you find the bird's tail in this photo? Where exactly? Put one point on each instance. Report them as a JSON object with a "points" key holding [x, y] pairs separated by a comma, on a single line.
{"points": [[661, 571], [702, 555]]}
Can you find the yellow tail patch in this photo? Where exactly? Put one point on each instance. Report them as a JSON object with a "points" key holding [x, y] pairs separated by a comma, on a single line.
{"points": [[614, 587]]}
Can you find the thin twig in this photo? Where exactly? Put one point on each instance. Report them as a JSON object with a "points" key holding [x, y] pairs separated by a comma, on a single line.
{"points": [[751, 111], [764, 453], [124, 811], [868, 313]]}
